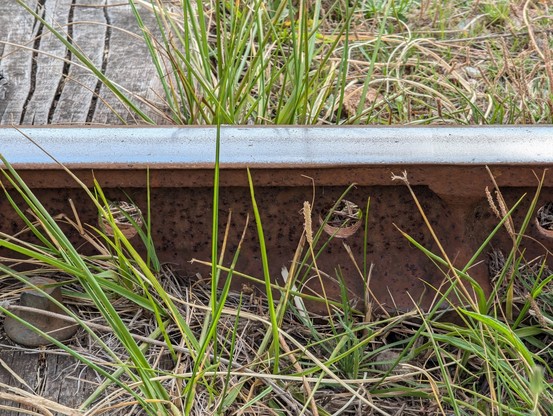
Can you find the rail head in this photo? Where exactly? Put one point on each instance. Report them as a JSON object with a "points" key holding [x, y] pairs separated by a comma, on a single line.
{"points": [[447, 159], [277, 147]]}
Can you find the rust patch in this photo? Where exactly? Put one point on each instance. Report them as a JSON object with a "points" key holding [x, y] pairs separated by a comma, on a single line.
{"points": [[453, 199]]}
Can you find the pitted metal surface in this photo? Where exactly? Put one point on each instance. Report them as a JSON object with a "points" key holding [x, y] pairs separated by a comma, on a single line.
{"points": [[452, 196]]}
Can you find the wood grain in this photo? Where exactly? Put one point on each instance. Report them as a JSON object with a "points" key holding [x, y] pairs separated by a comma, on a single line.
{"points": [[43, 83], [75, 105], [50, 374], [126, 50], [19, 29]]}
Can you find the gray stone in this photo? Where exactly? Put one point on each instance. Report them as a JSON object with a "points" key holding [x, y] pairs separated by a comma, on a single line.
{"points": [[57, 328]]}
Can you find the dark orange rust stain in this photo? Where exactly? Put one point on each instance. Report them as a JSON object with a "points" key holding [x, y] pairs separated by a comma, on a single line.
{"points": [[452, 197]]}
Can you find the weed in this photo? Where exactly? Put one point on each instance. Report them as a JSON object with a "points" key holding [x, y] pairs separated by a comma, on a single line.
{"points": [[299, 62], [336, 62]]}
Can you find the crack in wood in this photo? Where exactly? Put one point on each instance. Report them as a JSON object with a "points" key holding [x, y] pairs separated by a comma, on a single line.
{"points": [[105, 58], [46, 84], [34, 65], [41, 371], [4, 91], [66, 63]]}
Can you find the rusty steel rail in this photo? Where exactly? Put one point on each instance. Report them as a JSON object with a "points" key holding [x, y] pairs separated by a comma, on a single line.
{"points": [[445, 165]]}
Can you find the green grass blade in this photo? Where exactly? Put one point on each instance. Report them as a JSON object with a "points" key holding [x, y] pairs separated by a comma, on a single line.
{"points": [[267, 277]]}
